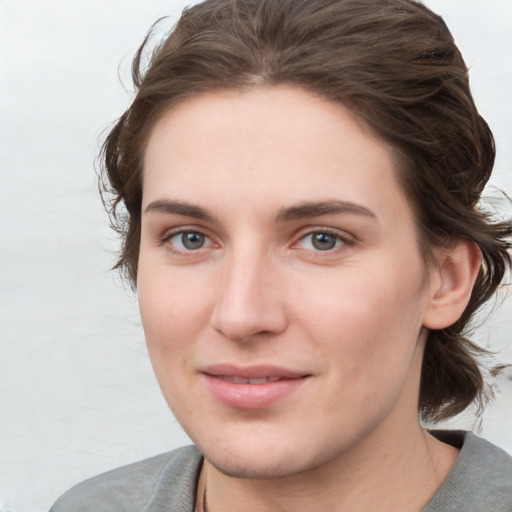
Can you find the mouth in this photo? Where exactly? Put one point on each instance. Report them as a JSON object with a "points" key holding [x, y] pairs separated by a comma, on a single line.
{"points": [[252, 388], [242, 380]]}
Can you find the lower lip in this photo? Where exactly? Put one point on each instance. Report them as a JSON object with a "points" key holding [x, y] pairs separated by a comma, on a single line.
{"points": [[252, 396]]}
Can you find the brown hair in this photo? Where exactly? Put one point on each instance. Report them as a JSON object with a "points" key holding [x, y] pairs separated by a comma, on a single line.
{"points": [[394, 64]]}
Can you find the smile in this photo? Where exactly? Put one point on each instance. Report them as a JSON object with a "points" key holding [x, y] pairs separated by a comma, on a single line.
{"points": [[242, 380], [252, 388]]}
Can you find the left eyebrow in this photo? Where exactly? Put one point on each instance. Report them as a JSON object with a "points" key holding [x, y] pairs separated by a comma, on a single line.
{"points": [[318, 208]]}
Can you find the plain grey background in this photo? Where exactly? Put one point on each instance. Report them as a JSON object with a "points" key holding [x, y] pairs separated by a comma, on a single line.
{"points": [[77, 394]]}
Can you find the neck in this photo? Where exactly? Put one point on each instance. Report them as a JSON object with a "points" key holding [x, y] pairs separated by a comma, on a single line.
{"points": [[390, 471]]}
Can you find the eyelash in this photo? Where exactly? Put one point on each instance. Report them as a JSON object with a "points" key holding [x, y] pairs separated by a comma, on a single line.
{"points": [[345, 240], [168, 236]]}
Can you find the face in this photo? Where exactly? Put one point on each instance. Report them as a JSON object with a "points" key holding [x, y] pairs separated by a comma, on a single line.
{"points": [[280, 284]]}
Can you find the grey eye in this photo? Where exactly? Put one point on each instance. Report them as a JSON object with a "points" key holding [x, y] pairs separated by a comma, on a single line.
{"points": [[323, 241], [192, 241], [189, 240]]}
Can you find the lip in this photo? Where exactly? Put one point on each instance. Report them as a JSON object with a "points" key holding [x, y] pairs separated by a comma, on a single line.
{"points": [[228, 384]]}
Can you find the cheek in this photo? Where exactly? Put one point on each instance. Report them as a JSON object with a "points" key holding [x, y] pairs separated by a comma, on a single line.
{"points": [[366, 323], [173, 309], [172, 316]]}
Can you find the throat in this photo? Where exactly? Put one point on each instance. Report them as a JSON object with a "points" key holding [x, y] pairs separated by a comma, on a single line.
{"points": [[201, 489], [388, 486]]}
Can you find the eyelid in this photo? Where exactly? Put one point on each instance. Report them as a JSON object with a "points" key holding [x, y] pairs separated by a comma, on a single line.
{"points": [[171, 233], [347, 239]]}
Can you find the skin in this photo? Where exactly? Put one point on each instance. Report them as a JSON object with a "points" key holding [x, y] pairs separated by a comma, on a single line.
{"points": [[256, 290]]}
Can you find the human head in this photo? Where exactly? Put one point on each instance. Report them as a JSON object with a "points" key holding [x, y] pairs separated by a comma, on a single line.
{"points": [[395, 66]]}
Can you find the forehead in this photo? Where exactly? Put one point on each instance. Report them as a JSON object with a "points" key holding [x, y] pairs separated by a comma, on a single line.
{"points": [[271, 145]]}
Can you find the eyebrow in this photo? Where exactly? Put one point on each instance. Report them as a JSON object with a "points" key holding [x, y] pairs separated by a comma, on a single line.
{"points": [[172, 207], [318, 208], [295, 212]]}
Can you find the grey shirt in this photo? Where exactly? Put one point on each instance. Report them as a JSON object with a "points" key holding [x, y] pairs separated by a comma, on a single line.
{"points": [[480, 481]]}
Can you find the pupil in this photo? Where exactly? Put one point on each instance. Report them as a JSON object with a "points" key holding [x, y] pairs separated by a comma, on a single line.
{"points": [[323, 242], [192, 240]]}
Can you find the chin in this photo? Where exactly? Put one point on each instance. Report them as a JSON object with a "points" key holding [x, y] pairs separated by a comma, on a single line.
{"points": [[264, 460], [257, 469]]}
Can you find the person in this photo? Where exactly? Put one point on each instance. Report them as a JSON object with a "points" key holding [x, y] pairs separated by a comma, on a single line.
{"points": [[297, 184]]}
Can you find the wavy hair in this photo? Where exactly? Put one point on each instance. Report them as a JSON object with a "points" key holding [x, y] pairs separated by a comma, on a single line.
{"points": [[392, 63]]}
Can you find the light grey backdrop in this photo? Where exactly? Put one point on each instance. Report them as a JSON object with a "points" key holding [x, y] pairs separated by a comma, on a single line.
{"points": [[77, 395]]}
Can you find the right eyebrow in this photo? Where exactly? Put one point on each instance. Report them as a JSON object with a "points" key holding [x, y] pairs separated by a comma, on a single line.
{"points": [[172, 207]]}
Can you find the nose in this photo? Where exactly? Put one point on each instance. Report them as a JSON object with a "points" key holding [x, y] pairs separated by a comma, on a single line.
{"points": [[249, 301]]}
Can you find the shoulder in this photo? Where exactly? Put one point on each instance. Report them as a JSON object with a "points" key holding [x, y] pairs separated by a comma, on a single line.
{"points": [[481, 478], [139, 486]]}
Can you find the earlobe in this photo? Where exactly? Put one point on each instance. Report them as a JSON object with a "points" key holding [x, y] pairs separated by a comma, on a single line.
{"points": [[451, 283]]}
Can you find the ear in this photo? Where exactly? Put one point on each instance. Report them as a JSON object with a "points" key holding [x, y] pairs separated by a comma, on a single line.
{"points": [[451, 283]]}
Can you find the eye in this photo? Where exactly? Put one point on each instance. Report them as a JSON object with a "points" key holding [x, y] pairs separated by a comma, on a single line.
{"points": [[321, 241], [185, 241]]}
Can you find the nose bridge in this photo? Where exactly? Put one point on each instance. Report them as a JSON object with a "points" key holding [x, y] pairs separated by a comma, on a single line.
{"points": [[248, 299]]}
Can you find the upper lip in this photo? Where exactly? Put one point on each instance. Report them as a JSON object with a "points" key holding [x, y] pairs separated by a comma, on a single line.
{"points": [[252, 372]]}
